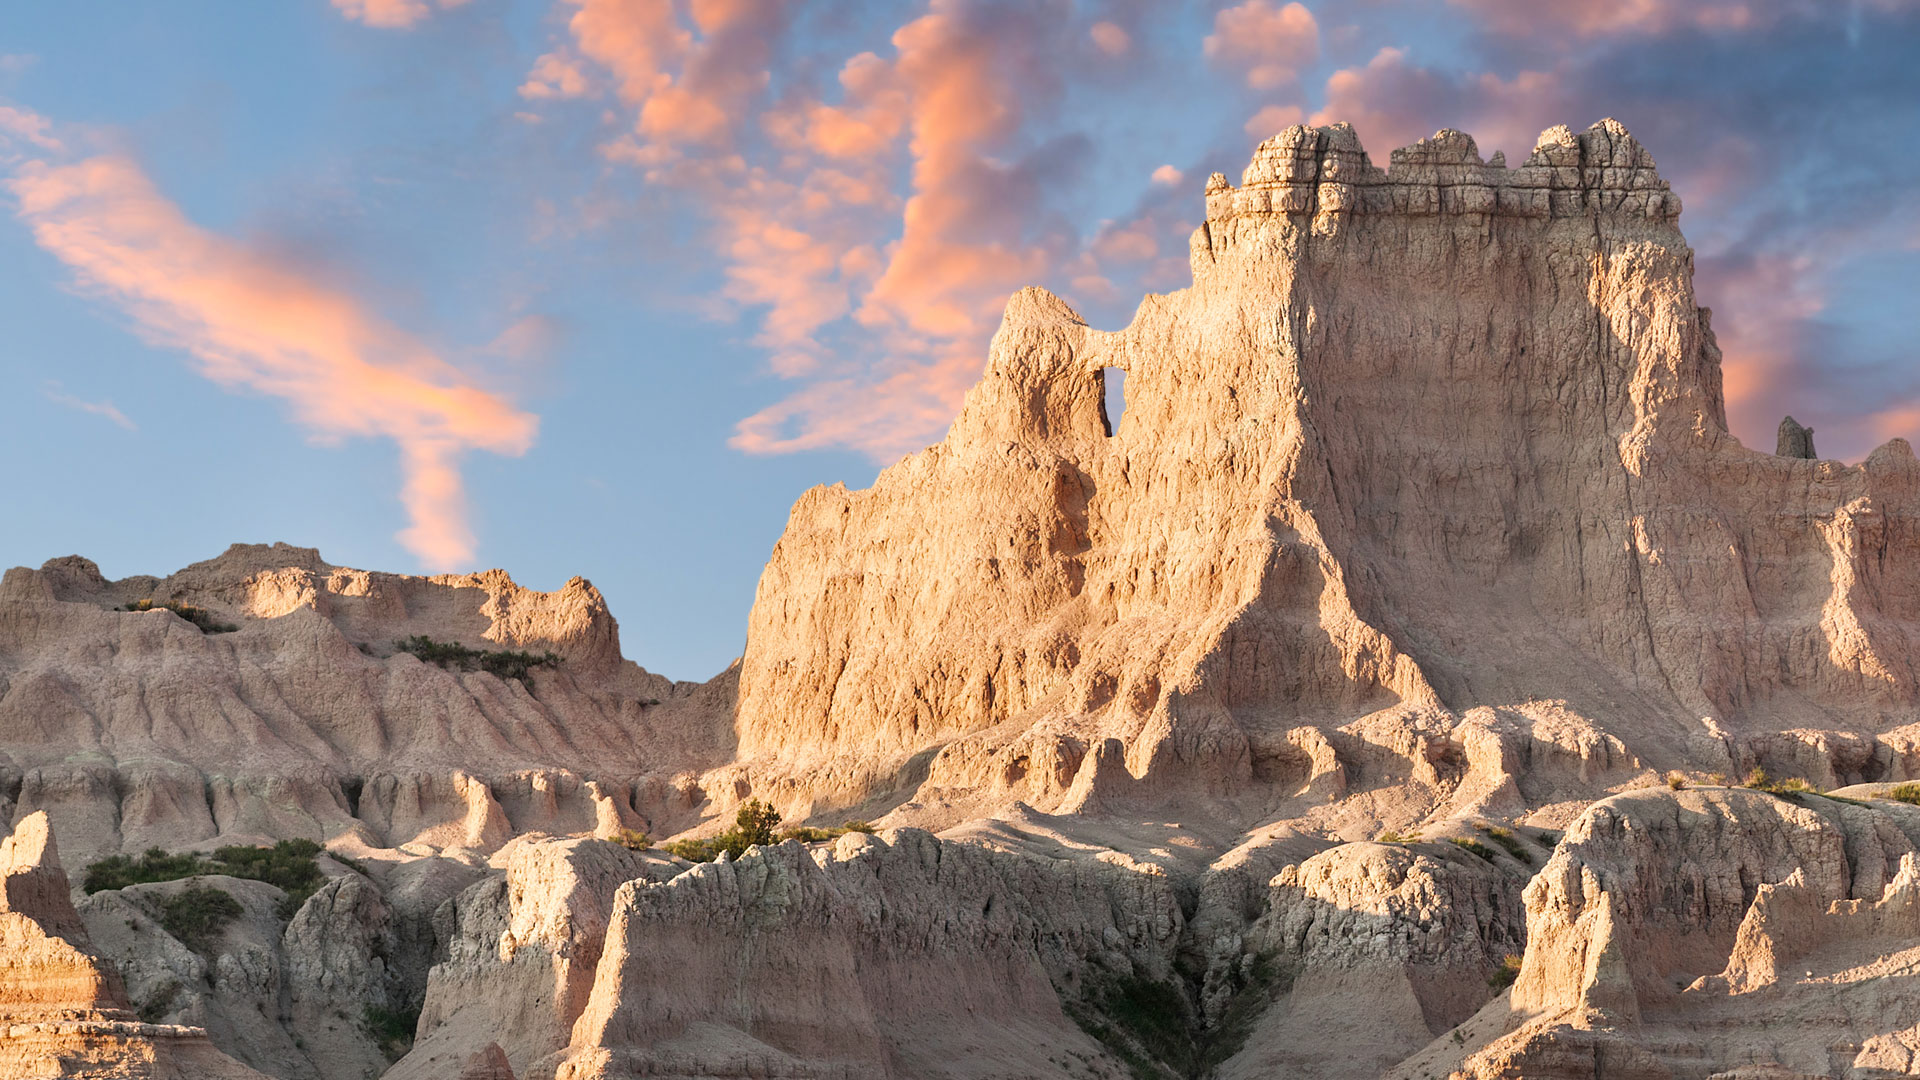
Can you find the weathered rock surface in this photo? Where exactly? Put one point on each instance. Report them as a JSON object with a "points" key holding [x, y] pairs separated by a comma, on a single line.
{"points": [[64, 1011], [136, 728], [1422, 517], [896, 957]]}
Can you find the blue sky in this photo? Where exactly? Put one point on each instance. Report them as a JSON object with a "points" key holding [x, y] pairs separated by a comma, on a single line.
{"points": [[599, 287]]}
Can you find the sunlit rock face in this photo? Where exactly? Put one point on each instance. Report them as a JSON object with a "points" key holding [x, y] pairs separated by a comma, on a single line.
{"points": [[1415, 441], [1231, 737]]}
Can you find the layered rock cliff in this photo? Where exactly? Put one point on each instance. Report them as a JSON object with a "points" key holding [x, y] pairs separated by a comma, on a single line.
{"points": [[1229, 739], [1417, 441]]}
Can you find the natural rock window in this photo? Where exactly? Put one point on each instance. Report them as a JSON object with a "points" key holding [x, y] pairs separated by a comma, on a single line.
{"points": [[1114, 382]]}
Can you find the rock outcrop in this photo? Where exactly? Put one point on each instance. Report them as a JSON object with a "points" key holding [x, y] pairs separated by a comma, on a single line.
{"points": [[1244, 722], [64, 1011], [1288, 532]]}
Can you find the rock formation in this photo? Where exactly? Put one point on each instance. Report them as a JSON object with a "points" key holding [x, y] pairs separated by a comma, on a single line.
{"points": [[63, 1010], [1795, 441], [1231, 740]]}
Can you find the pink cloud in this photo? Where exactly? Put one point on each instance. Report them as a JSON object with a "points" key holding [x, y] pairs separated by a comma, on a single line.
{"points": [[390, 14], [1269, 44], [256, 323], [1110, 38], [1599, 18]]}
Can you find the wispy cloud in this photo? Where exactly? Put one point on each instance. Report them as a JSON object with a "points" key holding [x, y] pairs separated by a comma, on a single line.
{"points": [[391, 14], [256, 322], [103, 407]]}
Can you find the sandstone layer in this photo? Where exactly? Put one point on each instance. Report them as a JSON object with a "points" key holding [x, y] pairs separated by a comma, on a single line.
{"points": [[1235, 738]]}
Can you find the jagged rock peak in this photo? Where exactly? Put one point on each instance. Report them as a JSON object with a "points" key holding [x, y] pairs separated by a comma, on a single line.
{"points": [[1795, 441], [1325, 170]]}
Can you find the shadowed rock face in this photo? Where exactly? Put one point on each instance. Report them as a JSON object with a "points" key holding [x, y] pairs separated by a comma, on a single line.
{"points": [[1795, 441]]}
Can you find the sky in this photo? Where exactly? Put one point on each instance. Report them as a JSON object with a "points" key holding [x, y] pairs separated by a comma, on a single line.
{"points": [[599, 287]]}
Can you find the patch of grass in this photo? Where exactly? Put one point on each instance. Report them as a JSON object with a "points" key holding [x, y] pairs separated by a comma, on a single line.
{"points": [[500, 663], [632, 839], [289, 864], [392, 1028], [207, 621], [1677, 780], [1512, 844], [159, 1003], [1908, 793], [753, 824], [1758, 780], [197, 914], [1146, 1024], [1256, 991], [1392, 836], [1474, 846], [1508, 971], [812, 834]]}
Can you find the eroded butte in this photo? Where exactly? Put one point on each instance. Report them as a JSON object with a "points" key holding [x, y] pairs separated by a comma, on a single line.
{"points": [[1367, 701]]}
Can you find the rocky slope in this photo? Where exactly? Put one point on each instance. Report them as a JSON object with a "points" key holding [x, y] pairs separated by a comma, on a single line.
{"points": [[1232, 739]]}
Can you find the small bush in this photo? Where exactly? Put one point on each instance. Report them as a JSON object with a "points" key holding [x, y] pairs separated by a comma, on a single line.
{"points": [[500, 663], [1508, 971], [1677, 781], [1391, 836], [632, 839], [856, 825], [392, 1028], [207, 621], [160, 1002], [197, 914], [1907, 793], [753, 824], [1512, 844], [1474, 846], [1758, 780]]}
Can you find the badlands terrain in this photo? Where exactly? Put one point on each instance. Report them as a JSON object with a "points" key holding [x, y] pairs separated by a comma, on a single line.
{"points": [[1416, 681]]}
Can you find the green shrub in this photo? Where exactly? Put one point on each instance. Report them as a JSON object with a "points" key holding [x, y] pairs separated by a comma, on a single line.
{"points": [[289, 864], [1474, 846], [197, 914], [1508, 971], [1392, 836], [1148, 1025], [856, 825], [1758, 780], [753, 824], [160, 1002], [1512, 844], [207, 621], [1908, 793], [500, 663], [1677, 780], [632, 839], [392, 1028]]}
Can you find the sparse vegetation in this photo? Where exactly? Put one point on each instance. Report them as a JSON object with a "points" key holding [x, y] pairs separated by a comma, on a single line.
{"points": [[289, 865], [1512, 844], [392, 1028], [1392, 836], [1474, 846], [159, 1003], [1146, 1024], [1508, 971], [753, 824], [1907, 793], [1758, 780], [632, 839], [500, 663], [811, 834], [1677, 780], [207, 621], [198, 914]]}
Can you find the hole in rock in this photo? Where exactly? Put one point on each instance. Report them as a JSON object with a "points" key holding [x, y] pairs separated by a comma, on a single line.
{"points": [[1114, 382]]}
